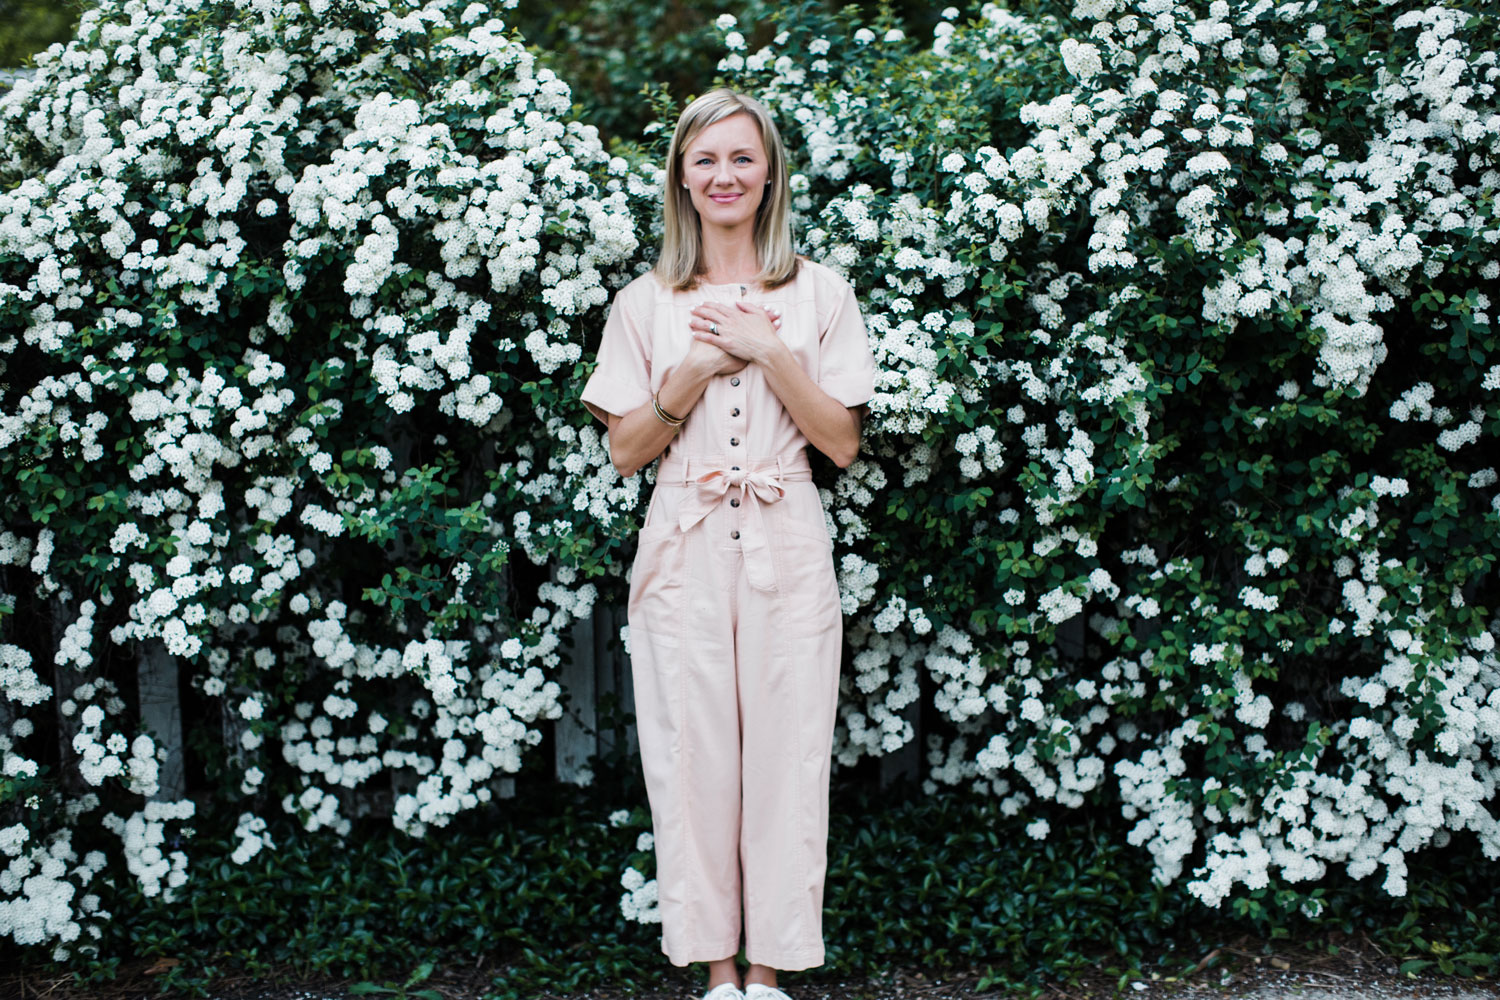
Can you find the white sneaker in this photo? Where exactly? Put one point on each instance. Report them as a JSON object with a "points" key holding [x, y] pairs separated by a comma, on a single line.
{"points": [[724, 991], [760, 991]]}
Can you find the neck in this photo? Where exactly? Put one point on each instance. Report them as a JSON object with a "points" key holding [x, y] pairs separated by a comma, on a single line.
{"points": [[729, 256]]}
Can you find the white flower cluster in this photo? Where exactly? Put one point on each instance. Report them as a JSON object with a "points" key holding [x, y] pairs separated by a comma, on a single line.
{"points": [[639, 901], [251, 831], [1313, 818], [20, 684], [981, 452], [100, 759], [491, 213], [873, 716], [42, 885], [143, 833]]}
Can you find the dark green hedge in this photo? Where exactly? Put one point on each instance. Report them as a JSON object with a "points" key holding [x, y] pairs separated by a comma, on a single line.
{"points": [[938, 883]]}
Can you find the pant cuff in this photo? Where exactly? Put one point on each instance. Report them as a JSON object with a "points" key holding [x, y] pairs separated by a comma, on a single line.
{"points": [[688, 954], [792, 961]]}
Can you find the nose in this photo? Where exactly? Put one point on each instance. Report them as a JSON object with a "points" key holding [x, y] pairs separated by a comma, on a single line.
{"points": [[723, 176]]}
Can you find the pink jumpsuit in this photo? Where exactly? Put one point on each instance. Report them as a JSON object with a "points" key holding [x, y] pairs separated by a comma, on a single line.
{"points": [[735, 624]]}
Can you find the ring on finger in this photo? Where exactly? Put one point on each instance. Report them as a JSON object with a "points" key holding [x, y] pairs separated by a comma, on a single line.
{"points": [[713, 328]]}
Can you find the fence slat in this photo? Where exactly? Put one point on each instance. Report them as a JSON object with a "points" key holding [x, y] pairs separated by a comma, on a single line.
{"points": [[624, 681], [232, 726], [906, 763], [161, 713], [1071, 639], [65, 679], [576, 732]]}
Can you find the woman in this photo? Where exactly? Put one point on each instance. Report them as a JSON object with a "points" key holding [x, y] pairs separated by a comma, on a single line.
{"points": [[734, 354]]}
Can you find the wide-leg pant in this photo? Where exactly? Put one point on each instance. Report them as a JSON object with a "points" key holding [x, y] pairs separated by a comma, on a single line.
{"points": [[736, 690]]}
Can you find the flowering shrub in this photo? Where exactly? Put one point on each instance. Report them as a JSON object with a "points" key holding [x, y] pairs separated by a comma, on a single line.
{"points": [[291, 294], [1175, 492], [1175, 497]]}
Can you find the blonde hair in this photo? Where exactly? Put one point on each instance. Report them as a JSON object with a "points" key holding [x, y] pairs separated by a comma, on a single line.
{"points": [[681, 261]]}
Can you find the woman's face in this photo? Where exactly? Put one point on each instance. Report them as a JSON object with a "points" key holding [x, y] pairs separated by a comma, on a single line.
{"points": [[725, 169]]}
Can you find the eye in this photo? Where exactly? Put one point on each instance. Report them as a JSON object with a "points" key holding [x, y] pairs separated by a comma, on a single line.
{"points": [[744, 159]]}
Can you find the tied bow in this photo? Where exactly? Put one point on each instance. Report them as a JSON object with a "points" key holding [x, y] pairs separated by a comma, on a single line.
{"points": [[760, 486]]}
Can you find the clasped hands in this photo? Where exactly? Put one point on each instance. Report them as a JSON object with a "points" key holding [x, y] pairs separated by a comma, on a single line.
{"points": [[726, 338]]}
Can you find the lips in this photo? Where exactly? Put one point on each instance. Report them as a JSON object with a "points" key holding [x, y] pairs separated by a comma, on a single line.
{"points": [[723, 199]]}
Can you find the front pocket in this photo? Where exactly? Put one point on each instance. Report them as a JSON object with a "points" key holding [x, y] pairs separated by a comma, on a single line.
{"points": [[806, 584]]}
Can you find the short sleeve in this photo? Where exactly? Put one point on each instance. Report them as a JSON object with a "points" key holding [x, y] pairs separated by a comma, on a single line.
{"points": [[621, 381], [846, 365]]}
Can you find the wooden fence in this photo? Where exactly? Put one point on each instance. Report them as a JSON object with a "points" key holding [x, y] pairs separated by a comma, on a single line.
{"points": [[597, 701]]}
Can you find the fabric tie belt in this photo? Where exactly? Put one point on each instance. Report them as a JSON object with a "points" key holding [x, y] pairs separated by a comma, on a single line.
{"points": [[759, 482]]}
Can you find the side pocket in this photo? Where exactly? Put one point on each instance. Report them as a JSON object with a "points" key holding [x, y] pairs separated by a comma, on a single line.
{"points": [[658, 585], [817, 533], [660, 521], [653, 533]]}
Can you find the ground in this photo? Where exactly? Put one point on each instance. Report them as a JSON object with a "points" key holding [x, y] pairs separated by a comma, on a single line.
{"points": [[1245, 969]]}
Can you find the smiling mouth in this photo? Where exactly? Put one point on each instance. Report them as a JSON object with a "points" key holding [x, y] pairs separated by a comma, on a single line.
{"points": [[723, 197]]}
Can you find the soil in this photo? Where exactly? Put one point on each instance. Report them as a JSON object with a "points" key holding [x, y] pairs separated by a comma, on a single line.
{"points": [[1245, 969]]}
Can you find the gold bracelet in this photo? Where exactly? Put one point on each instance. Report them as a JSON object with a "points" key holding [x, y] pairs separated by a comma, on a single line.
{"points": [[663, 415]]}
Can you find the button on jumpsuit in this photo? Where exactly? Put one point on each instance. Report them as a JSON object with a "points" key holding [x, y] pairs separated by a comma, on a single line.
{"points": [[735, 624]]}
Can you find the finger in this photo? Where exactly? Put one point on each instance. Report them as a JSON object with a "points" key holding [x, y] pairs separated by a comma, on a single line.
{"points": [[760, 310], [753, 310]]}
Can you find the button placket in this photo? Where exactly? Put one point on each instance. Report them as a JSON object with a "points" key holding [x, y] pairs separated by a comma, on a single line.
{"points": [[736, 431], [735, 435], [736, 516]]}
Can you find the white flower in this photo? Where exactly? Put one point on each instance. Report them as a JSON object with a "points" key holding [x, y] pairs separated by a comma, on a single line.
{"points": [[1081, 59]]}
